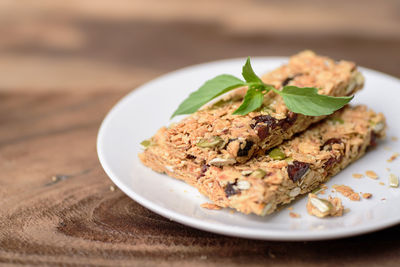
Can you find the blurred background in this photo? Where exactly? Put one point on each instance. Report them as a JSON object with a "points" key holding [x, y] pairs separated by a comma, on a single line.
{"points": [[77, 45]]}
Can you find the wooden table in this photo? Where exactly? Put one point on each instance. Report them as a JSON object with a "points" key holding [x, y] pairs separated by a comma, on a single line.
{"points": [[64, 65]]}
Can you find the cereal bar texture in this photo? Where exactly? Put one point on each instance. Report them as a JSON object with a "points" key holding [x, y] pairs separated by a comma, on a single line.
{"points": [[263, 183], [219, 138]]}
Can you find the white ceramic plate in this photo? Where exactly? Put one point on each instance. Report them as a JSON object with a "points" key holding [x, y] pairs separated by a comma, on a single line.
{"points": [[138, 115]]}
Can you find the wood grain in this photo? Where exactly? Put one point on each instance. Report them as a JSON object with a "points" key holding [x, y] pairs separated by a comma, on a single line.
{"points": [[74, 218], [64, 65]]}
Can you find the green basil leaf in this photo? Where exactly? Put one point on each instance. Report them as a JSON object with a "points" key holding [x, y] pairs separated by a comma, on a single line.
{"points": [[248, 73], [252, 101], [207, 92], [308, 102]]}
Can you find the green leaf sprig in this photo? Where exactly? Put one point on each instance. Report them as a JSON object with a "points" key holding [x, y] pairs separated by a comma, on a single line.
{"points": [[304, 100]]}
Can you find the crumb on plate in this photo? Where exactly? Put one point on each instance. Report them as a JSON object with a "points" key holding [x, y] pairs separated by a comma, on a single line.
{"points": [[210, 206], [393, 157], [294, 215], [347, 192], [371, 174], [393, 180], [367, 195], [324, 207]]}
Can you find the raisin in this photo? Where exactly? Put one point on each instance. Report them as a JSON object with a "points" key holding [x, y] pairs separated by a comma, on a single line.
{"points": [[297, 169], [290, 78], [243, 152], [229, 190], [271, 123], [288, 121], [203, 170], [262, 131], [287, 80], [267, 119], [268, 122], [372, 142], [188, 156], [331, 142], [331, 161]]}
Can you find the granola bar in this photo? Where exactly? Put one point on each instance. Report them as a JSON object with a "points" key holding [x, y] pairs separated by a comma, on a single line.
{"points": [[263, 183], [219, 138]]}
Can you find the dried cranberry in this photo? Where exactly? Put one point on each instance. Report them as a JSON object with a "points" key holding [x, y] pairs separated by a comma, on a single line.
{"points": [[229, 190], [297, 169], [243, 152], [331, 142], [188, 156]]}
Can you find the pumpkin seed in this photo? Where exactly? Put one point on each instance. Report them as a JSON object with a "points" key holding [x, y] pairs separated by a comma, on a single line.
{"points": [[145, 143], [277, 154], [210, 142], [259, 173], [393, 180], [324, 206]]}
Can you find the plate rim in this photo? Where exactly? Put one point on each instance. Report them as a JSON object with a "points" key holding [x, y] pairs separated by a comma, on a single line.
{"points": [[228, 230]]}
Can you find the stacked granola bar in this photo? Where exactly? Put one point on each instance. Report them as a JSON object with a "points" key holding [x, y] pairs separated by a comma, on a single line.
{"points": [[216, 136], [244, 162]]}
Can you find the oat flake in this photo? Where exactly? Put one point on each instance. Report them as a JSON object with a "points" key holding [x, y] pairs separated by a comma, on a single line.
{"points": [[371, 174]]}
